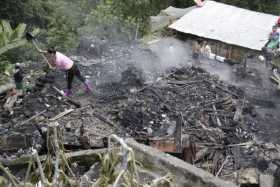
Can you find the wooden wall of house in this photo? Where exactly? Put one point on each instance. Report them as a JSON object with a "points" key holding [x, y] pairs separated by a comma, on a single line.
{"points": [[228, 51], [232, 52]]}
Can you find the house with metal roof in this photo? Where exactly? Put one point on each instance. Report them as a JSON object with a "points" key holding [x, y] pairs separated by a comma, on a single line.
{"points": [[230, 27]]}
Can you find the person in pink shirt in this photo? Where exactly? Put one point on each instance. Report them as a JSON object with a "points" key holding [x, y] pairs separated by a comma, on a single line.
{"points": [[60, 61]]}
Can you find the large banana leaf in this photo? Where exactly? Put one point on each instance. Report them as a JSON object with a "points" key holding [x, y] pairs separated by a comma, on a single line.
{"points": [[12, 46], [6, 27], [18, 33], [4, 39], [10, 39]]}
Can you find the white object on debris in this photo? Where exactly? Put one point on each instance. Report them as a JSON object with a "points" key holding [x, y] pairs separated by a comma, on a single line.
{"points": [[171, 129], [163, 115], [248, 176], [39, 184], [133, 90], [261, 58], [149, 130]]}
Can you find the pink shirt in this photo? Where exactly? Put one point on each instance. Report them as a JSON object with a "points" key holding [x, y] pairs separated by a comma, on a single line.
{"points": [[62, 62]]}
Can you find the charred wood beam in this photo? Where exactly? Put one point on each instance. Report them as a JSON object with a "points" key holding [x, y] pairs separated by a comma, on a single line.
{"points": [[75, 103], [104, 119], [61, 115], [178, 133], [33, 117]]}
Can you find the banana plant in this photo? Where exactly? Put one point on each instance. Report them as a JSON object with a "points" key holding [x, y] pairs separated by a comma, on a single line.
{"points": [[11, 38]]}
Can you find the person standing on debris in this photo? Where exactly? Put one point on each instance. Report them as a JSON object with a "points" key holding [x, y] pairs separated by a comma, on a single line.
{"points": [[60, 61], [14, 93], [271, 45], [196, 51], [278, 22], [273, 39], [206, 50], [18, 78], [199, 3]]}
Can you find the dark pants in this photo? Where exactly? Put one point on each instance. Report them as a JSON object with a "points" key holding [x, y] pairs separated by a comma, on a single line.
{"points": [[74, 71]]}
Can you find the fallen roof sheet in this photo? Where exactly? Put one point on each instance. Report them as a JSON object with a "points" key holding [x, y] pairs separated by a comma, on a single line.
{"points": [[228, 24]]}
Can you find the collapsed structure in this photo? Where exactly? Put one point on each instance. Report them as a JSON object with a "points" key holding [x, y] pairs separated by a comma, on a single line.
{"points": [[186, 112]]}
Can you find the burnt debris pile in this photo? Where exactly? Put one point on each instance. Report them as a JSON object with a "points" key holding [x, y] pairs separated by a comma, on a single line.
{"points": [[200, 98], [219, 125], [215, 120]]}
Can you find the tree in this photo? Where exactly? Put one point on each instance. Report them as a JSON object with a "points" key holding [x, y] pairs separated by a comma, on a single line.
{"points": [[266, 6], [11, 39], [32, 12]]}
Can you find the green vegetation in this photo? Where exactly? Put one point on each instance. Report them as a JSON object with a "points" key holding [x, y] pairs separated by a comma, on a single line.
{"points": [[64, 22], [10, 39], [271, 6]]}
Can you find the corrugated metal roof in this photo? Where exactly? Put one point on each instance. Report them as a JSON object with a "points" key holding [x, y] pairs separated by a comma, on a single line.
{"points": [[228, 24]]}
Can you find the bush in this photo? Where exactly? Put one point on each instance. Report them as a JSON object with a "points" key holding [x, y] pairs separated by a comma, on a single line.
{"points": [[101, 22]]}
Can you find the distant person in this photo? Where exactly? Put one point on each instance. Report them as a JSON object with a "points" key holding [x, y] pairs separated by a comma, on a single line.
{"points": [[273, 41], [199, 3], [18, 79], [196, 51], [15, 92], [278, 22], [64, 63], [206, 50], [272, 44]]}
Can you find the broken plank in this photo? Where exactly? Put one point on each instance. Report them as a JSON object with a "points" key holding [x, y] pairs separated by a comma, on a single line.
{"points": [[104, 119], [33, 117], [61, 114], [184, 82]]}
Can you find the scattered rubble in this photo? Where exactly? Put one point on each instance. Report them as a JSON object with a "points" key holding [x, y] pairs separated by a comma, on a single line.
{"points": [[186, 111]]}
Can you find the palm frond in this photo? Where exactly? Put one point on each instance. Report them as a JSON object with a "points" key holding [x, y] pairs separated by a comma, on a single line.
{"points": [[6, 27], [18, 32]]}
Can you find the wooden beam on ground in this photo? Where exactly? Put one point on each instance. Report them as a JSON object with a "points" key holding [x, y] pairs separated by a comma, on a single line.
{"points": [[75, 103], [33, 117], [77, 156], [104, 119], [61, 115]]}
